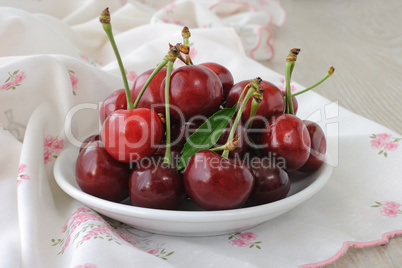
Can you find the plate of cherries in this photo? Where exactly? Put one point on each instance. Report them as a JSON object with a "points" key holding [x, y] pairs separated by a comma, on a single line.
{"points": [[188, 152]]}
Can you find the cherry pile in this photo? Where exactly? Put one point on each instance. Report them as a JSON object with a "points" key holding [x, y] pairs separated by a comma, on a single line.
{"points": [[192, 132]]}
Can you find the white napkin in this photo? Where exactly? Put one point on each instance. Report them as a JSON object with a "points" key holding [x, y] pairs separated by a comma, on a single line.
{"points": [[55, 58]]}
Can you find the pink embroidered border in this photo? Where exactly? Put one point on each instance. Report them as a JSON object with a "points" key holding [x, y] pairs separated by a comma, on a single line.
{"points": [[383, 241]]}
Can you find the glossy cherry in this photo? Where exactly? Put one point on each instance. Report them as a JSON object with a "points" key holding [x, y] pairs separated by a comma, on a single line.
{"points": [[194, 90], [318, 147], [224, 75], [271, 182], [100, 175], [217, 183], [151, 98], [130, 135], [94, 137], [115, 101], [286, 137], [272, 103], [156, 185]]}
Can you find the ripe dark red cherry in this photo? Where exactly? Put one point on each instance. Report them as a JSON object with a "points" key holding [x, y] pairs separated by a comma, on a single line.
{"points": [[155, 185], [194, 90], [151, 98], [271, 182], [216, 183], [286, 137], [318, 147], [94, 137], [224, 75], [130, 135], [115, 101], [100, 175], [272, 103]]}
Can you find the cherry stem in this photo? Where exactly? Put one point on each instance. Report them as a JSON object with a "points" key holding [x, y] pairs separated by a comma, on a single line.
{"points": [[290, 63], [252, 87], [185, 33], [170, 57], [156, 70], [330, 72], [255, 104], [107, 27], [180, 57], [230, 146]]}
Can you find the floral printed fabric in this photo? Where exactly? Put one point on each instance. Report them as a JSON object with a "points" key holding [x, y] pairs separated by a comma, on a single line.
{"points": [[50, 89]]}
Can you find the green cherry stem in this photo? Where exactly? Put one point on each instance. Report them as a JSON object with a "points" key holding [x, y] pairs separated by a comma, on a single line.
{"points": [[107, 27], [255, 103], [170, 57], [290, 63], [330, 72], [156, 70], [252, 87]]}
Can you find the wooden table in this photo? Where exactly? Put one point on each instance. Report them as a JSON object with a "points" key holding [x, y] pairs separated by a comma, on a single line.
{"points": [[363, 41]]}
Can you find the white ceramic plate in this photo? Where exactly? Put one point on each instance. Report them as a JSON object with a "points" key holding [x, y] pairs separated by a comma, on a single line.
{"points": [[190, 220]]}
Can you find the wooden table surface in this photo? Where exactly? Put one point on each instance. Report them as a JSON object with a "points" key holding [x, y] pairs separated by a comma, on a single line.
{"points": [[362, 39]]}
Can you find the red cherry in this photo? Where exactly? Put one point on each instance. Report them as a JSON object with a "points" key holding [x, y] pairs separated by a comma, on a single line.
{"points": [[318, 147], [151, 98], [224, 75], [286, 138], [155, 185], [94, 137], [272, 103], [115, 101], [271, 182], [100, 175], [194, 90], [130, 135], [216, 183]]}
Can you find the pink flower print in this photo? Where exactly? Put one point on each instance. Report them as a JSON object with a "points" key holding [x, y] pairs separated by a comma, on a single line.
{"points": [[384, 142], [83, 217], [74, 81], [246, 239], [377, 143], [131, 76], [163, 254], [14, 80], [52, 147], [384, 136], [248, 236], [21, 175], [19, 78], [7, 86], [240, 242], [386, 211], [388, 208], [391, 204], [153, 251], [390, 146], [66, 243], [21, 168], [126, 236]]}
